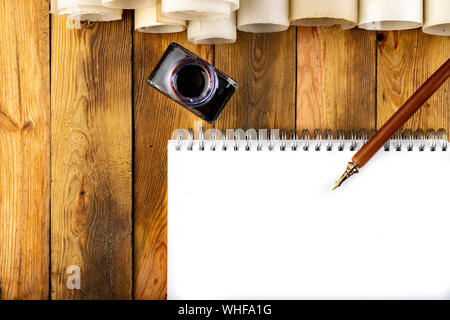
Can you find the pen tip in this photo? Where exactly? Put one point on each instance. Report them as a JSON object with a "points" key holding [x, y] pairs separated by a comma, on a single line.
{"points": [[352, 168]]}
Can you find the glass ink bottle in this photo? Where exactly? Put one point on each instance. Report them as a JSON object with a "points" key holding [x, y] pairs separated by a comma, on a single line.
{"points": [[192, 82]]}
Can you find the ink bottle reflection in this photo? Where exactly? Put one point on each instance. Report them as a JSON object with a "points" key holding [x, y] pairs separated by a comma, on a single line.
{"points": [[192, 82]]}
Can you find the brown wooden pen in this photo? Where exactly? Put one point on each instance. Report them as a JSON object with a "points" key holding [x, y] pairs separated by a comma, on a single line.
{"points": [[396, 122]]}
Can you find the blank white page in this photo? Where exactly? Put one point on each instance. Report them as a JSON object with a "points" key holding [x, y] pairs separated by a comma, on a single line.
{"points": [[266, 225]]}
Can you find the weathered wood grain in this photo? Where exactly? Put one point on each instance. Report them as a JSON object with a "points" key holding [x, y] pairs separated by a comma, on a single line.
{"points": [[405, 60], [24, 149], [263, 66], [331, 84], [336, 79], [91, 154], [156, 117]]}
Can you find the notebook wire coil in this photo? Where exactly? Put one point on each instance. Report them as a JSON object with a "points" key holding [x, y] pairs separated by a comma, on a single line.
{"points": [[270, 140]]}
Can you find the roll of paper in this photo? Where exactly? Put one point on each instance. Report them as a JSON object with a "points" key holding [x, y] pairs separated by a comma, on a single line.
{"points": [[437, 17], [84, 10], [220, 31], [151, 20], [129, 4], [199, 9], [387, 15], [259, 16], [234, 4], [324, 13]]}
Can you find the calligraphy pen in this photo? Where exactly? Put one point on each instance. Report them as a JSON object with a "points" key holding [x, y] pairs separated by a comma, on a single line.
{"points": [[396, 122]]}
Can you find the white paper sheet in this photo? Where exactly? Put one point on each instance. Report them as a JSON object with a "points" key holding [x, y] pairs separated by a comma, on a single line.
{"points": [[199, 9], [129, 4], [266, 225], [84, 10], [437, 17], [324, 13], [151, 20], [221, 31], [390, 14], [260, 16]]}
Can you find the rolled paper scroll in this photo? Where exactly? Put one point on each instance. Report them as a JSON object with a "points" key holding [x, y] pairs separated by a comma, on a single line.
{"points": [[324, 13], [151, 20], [199, 9], [259, 16], [437, 17], [129, 4], [84, 10], [220, 31], [390, 15]]}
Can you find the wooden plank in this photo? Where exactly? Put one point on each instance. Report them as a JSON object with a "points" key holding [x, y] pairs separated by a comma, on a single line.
{"points": [[262, 64], [405, 60], [336, 79], [156, 117], [24, 149], [91, 153]]}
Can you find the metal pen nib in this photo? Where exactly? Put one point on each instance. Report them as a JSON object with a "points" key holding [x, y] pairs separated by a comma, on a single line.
{"points": [[352, 168]]}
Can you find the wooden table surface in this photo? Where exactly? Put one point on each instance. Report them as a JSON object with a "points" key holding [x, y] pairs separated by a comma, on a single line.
{"points": [[83, 137]]}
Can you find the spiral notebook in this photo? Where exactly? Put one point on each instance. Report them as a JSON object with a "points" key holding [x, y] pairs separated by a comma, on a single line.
{"points": [[254, 217]]}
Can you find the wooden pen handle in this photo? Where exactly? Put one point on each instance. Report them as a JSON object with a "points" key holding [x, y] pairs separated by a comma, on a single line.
{"points": [[402, 115]]}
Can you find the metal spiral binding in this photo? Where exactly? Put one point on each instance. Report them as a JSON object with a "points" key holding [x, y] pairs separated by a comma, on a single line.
{"points": [[305, 137], [294, 139], [420, 135], [329, 139], [317, 137], [236, 139], [442, 135], [341, 138]]}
